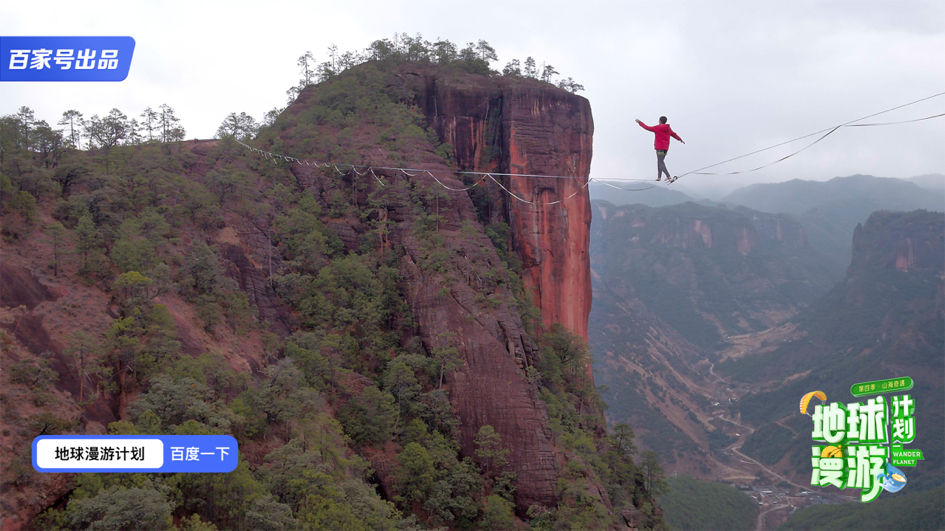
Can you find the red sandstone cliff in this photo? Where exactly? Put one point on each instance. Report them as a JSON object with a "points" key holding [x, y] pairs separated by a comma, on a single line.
{"points": [[520, 127], [523, 126], [490, 388]]}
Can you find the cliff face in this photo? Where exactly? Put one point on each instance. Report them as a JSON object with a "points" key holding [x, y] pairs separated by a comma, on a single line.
{"points": [[521, 127], [906, 242], [525, 127], [490, 387], [709, 272]]}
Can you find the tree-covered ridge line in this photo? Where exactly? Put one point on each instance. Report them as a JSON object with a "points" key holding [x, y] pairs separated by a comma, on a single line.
{"points": [[162, 125], [474, 58], [23, 131]]}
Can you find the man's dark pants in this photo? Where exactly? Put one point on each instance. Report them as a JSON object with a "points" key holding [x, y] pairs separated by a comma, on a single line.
{"points": [[660, 165]]}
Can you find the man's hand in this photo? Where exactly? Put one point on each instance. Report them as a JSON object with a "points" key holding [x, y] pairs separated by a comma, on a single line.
{"points": [[683, 141], [638, 121]]}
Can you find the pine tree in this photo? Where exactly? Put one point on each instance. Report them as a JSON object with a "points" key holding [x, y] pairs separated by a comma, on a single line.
{"points": [[653, 475], [240, 126], [416, 474], [512, 68], [109, 131], [89, 238], [489, 449], [307, 62], [59, 237], [447, 355], [486, 52], [25, 117], [530, 69], [150, 122], [73, 120], [171, 131]]}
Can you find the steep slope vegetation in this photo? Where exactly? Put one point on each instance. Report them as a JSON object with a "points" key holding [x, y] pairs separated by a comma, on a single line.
{"points": [[696, 505], [909, 511], [386, 351]]}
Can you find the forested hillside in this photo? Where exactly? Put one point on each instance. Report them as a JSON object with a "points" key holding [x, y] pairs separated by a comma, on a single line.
{"points": [[695, 505], [348, 329], [910, 511]]}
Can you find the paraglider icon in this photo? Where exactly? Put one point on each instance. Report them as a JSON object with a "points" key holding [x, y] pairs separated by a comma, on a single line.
{"points": [[832, 451], [805, 400]]}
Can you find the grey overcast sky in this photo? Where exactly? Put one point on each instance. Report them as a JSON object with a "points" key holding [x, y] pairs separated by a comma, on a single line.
{"points": [[732, 76]]}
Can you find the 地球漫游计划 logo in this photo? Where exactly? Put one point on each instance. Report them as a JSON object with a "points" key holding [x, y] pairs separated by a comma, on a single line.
{"points": [[863, 442]]}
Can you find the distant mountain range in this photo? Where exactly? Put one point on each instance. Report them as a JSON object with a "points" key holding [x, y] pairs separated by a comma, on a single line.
{"points": [[794, 197], [931, 181], [830, 210], [870, 193], [684, 289]]}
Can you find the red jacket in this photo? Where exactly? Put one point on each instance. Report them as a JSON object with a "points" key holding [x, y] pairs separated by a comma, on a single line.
{"points": [[663, 132]]}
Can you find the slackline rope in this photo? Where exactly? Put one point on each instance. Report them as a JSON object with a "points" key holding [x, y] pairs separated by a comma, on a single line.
{"points": [[491, 175], [269, 154], [406, 171], [828, 131]]}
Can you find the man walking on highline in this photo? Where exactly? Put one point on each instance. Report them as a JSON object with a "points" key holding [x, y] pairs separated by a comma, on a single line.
{"points": [[663, 131]]}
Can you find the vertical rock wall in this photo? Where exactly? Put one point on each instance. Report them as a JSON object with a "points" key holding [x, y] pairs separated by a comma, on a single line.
{"points": [[523, 126], [517, 127]]}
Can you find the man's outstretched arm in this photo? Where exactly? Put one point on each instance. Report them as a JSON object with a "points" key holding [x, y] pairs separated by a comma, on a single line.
{"points": [[643, 125], [674, 135]]}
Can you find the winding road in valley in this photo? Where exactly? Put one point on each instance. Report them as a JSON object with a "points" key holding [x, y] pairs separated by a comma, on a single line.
{"points": [[760, 521], [749, 428], [734, 448], [736, 445]]}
